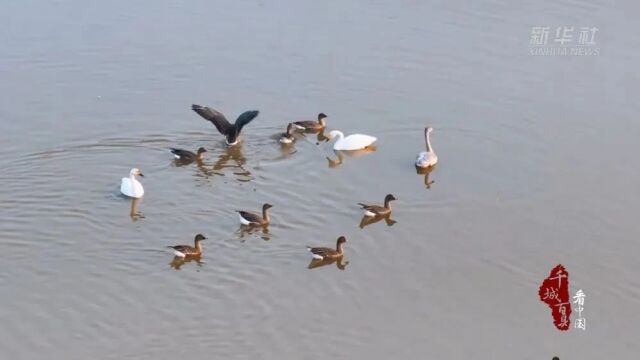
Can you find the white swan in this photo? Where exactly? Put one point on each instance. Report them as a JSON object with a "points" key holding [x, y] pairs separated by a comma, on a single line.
{"points": [[351, 142], [132, 187], [427, 158]]}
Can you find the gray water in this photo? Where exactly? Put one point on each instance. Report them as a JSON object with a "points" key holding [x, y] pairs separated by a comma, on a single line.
{"points": [[537, 167]]}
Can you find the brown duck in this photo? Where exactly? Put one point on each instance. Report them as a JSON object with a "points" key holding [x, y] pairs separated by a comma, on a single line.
{"points": [[250, 218], [287, 137], [322, 253], [311, 125], [186, 250], [377, 210], [186, 155]]}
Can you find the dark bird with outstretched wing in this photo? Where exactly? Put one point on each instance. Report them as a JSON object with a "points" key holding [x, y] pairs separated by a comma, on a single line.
{"points": [[230, 131]]}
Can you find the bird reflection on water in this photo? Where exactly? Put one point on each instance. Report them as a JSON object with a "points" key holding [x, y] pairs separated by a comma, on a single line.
{"points": [[233, 154], [133, 212], [186, 162], [246, 230], [368, 220], [316, 263], [230, 158], [426, 172], [350, 153], [321, 137], [178, 261]]}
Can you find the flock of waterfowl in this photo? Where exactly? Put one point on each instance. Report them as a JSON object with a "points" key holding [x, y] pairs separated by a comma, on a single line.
{"points": [[131, 187]]}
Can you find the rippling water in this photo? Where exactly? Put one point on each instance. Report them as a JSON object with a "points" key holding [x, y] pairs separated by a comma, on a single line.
{"points": [[537, 167]]}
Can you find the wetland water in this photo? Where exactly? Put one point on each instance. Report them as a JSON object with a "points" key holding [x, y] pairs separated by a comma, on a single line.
{"points": [[537, 167]]}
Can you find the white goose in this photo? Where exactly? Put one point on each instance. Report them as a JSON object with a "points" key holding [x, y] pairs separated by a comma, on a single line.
{"points": [[351, 142], [427, 158], [131, 186]]}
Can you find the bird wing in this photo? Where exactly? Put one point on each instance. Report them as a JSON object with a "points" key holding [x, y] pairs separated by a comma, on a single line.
{"points": [[125, 186], [361, 139], [306, 123], [322, 251], [373, 208], [249, 216], [185, 249], [245, 118], [354, 142], [217, 118], [183, 154], [365, 206]]}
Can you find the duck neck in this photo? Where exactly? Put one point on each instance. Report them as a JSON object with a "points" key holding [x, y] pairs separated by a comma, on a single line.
{"points": [[321, 122], [427, 140], [387, 204], [339, 248], [265, 215], [133, 179], [199, 246]]}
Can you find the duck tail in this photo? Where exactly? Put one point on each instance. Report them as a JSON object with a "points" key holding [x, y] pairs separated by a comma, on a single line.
{"points": [[363, 205]]}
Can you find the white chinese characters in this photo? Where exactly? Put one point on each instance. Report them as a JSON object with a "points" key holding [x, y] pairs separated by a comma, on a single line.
{"points": [[587, 36], [539, 35], [578, 299], [564, 35], [566, 40]]}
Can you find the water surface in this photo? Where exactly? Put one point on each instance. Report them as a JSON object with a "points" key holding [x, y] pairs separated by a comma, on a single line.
{"points": [[537, 167]]}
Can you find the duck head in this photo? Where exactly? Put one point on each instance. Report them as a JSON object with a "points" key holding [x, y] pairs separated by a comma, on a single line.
{"points": [[340, 243], [199, 238], [266, 206], [321, 118], [136, 171]]}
